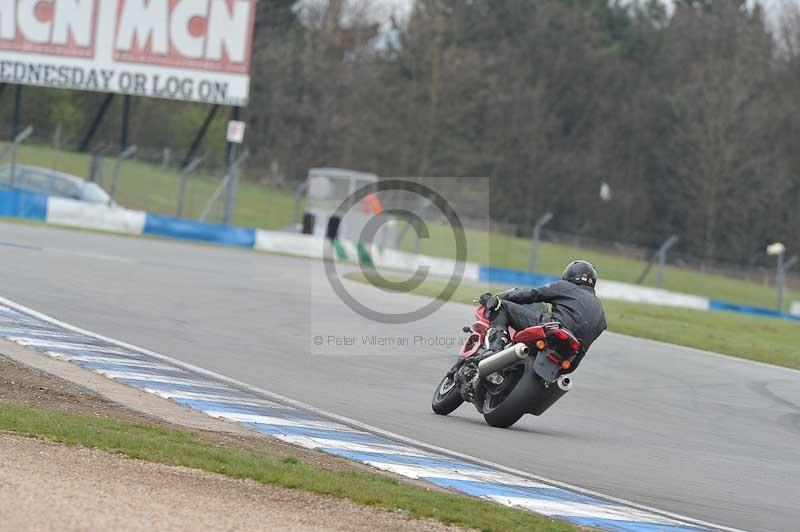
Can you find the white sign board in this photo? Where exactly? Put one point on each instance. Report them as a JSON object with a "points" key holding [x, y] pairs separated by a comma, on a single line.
{"points": [[196, 50], [776, 249], [235, 131]]}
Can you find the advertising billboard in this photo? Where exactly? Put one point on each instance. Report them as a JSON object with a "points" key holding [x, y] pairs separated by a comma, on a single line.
{"points": [[194, 50]]}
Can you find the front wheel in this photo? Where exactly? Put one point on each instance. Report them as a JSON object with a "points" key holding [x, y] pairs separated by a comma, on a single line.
{"points": [[447, 396]]}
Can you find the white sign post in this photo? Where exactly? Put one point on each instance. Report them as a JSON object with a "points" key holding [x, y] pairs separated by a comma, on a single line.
{"points": [[779, 250], [194, 50]]}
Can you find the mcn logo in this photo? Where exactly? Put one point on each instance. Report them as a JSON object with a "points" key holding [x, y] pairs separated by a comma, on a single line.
{"points": [[54, 27], [202, 34], [206, 34]]}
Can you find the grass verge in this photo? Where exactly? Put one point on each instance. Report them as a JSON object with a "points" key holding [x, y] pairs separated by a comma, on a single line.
{"points": [[150, 187], [761, 339], [511, 252], [181, 448]]}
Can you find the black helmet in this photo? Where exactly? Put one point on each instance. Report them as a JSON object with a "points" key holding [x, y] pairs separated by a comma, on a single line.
{"points": [[580, 272]]}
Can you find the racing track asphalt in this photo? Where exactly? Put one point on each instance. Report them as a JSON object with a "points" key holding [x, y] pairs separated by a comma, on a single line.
{"points": [[710, 437]]}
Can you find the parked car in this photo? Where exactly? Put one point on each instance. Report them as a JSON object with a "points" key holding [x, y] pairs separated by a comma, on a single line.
{"points": [[52, 183]]}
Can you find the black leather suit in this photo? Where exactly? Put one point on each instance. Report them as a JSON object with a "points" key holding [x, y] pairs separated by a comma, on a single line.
{"points": [[576, 307]]}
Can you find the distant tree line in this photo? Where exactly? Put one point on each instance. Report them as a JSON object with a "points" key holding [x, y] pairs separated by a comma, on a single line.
{"points": [[690, 115]]}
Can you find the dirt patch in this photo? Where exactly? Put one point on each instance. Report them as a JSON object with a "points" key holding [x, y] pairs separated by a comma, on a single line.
{"points": [[22, 384], [56, 487], [51, 487]]}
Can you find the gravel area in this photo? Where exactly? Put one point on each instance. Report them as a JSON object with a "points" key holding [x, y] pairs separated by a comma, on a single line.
{"points": [[46, 486], [53, 387], [50, 487]]}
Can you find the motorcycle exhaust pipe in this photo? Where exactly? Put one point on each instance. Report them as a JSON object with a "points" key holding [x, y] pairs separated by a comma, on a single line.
{"points": [[503, 359], [564, 383], [544, 398]]}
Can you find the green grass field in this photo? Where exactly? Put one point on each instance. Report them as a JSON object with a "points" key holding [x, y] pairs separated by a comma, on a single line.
{"points": [[148, 187], [511, 252], [762, 339], [181, 448]]}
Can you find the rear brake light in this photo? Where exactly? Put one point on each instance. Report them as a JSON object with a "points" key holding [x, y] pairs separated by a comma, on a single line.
{"points": [[561, 335], [574, 345]]}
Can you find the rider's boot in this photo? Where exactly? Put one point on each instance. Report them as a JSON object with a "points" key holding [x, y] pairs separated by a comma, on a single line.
{"points": [[496, 340]]}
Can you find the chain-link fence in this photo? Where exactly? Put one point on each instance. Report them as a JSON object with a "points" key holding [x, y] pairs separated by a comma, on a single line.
{"points": [[633, 263], [152, 180], [509, 246], [155, 179], [760, 270]]}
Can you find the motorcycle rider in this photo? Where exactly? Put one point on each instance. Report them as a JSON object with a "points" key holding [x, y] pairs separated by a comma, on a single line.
{"points": [[574, 305]]}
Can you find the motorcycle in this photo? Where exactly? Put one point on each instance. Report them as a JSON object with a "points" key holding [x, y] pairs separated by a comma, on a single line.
{"points": [[527, 377]]}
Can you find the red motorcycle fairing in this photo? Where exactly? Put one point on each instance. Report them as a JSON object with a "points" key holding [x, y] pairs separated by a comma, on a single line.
{"points": [[471, 345], [481, 316], [478, 335], [475, 340], [530, 335]]}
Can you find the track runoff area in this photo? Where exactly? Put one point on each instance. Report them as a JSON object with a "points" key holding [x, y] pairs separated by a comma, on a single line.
{"points": [[685, 432]]}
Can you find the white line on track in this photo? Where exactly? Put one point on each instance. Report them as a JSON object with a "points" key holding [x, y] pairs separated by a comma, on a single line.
{"points": [[363, 426]]}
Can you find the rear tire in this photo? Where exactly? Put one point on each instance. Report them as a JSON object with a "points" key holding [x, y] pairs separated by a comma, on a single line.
{"points": [[514, 406], [446, 397]]}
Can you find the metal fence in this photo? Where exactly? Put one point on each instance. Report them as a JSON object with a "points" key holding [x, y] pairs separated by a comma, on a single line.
{"points": [[155, 179], [761, 270]]}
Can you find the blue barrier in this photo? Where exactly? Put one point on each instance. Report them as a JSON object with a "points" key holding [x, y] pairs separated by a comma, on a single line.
{"points": [[21, 204], [33, 206], [159, 225], [753, 311], [492, 274]]}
